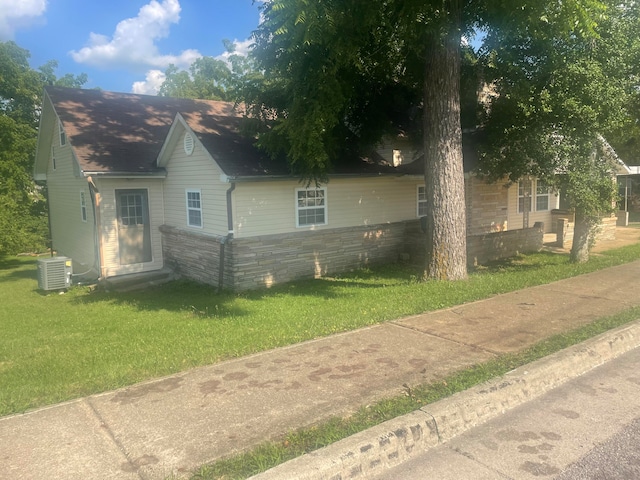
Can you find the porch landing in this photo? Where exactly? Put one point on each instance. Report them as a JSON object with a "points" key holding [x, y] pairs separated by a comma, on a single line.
{"points": [[137, 281]]}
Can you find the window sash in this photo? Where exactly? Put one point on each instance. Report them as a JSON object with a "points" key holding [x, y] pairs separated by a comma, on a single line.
{"points": [[541, 193], [422, 201], [311, 207], [542, 196], [194, 208], [83, 207]]}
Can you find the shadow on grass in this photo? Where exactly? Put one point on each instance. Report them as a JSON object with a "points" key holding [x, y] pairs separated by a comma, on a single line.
{"points": [[207, 302], [523, 263], [13, 268]]}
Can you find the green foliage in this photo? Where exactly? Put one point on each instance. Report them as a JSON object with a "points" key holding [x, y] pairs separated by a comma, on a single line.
{"points": [[557, 95], [23, 220], [210, 78]]}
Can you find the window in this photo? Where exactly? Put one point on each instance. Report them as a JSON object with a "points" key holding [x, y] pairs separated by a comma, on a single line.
{"points": [[63, 136], [83, 207], [311, 206], [542, 196], [131, 209], [422, 201], [522, 194], [194, 208], [539, 202]]}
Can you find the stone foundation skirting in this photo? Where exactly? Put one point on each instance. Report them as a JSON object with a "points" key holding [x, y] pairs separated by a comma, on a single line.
{"points": [[267, 260], [259, 262], [485, 247]]}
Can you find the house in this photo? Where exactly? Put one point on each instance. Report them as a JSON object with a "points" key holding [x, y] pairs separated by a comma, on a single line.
{"points": [[140, 183]]}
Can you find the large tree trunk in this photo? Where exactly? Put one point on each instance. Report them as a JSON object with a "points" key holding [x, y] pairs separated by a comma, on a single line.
{"points": [[584, 232], [446, 256]]}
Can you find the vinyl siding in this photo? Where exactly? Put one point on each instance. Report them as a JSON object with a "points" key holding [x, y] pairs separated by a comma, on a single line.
{"points": [[265, 208], [71, 236], [109, 224], [195, 172], [515, 219]]}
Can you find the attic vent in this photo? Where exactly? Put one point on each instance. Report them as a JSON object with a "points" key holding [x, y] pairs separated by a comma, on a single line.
{"points": [[188, 144]]}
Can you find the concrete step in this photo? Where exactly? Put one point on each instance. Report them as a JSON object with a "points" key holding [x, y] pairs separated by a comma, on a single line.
{"points": [[136, 281]]}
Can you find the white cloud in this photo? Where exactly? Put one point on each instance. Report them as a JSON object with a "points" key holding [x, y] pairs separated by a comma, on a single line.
{"points": [[17, 14], [154, 78], [151, 85], [241, 48], [133, 44]]}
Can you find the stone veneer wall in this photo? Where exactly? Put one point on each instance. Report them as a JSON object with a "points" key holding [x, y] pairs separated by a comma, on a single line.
{"points": [[194, 255], [564, 225], [495, 246], [260, 262], [267, 260], [485, 247]]}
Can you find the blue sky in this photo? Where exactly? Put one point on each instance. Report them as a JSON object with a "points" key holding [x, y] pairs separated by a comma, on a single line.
{"points": [[125, 45]]}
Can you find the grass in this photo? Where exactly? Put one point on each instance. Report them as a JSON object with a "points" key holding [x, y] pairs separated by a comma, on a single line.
{"points": [[57, 347]]}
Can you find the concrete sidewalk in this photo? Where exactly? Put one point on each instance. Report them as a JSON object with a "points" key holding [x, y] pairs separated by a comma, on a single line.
{"points": [[172, 425]]}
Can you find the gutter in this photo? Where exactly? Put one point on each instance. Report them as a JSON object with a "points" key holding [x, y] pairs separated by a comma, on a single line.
{"points": [[94, 193]]}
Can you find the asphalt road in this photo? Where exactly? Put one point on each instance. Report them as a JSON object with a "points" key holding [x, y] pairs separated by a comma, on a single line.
{"points": [[589, 428]]}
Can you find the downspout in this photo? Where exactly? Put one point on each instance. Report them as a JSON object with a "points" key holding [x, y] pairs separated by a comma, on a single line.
{"points": [[94, 193], [50, 239], [229, 236]]}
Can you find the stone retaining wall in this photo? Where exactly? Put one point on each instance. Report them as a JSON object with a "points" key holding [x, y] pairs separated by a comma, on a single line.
{"points": [[259, 262], [194, 255], [485, 247]]}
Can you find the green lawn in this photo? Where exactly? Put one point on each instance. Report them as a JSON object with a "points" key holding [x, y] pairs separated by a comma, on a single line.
{"points": [[55, 347]]}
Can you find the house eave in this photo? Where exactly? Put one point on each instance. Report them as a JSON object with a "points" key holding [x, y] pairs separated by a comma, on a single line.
{"points": [[271, 178], [161, 175]]}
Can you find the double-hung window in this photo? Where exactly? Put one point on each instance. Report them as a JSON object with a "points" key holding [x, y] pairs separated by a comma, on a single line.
{"points": [[194, 208], [539, 196], [83, 206], [63, 135], [311, 206], [542, 196], [422, 201]]}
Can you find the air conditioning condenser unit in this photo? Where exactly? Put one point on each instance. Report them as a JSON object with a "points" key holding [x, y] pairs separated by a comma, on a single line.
{"points": [[54, 273]]}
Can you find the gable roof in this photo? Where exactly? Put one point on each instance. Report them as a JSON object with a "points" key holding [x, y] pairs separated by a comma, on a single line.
{"points": [[123, 134]]}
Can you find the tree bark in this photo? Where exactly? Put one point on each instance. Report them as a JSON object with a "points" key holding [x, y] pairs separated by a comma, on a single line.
{"points": [[446, 255], [583, 237]]}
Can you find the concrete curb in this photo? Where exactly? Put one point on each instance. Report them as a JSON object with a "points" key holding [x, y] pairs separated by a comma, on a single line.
{"points": [[370, 452]]}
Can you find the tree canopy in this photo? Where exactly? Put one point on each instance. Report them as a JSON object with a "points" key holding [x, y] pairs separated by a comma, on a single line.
{"points": [[339, 75], [556, 101], [23, 221]]}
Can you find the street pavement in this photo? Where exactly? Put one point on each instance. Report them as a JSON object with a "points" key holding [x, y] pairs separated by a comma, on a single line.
{"points": [[588, 428], [172, 425]]}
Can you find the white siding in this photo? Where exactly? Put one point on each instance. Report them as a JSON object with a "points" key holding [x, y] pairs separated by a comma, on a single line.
{"points": [[264, 208], [109, 223], [516, 220], [71, 236], [195, 172]]}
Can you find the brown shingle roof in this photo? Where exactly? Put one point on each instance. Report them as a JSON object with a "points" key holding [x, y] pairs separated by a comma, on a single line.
{"points": [[124, 133]]}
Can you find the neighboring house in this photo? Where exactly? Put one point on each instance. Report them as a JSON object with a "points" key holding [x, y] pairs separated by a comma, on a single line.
{"points": [[138, 183]]}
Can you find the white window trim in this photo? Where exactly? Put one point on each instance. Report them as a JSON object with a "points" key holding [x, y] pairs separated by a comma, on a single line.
{"points": [[298, 208], [534, 198], [418, 201], [548, 195], [83, 206], [62, 135], [189, 209]]}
